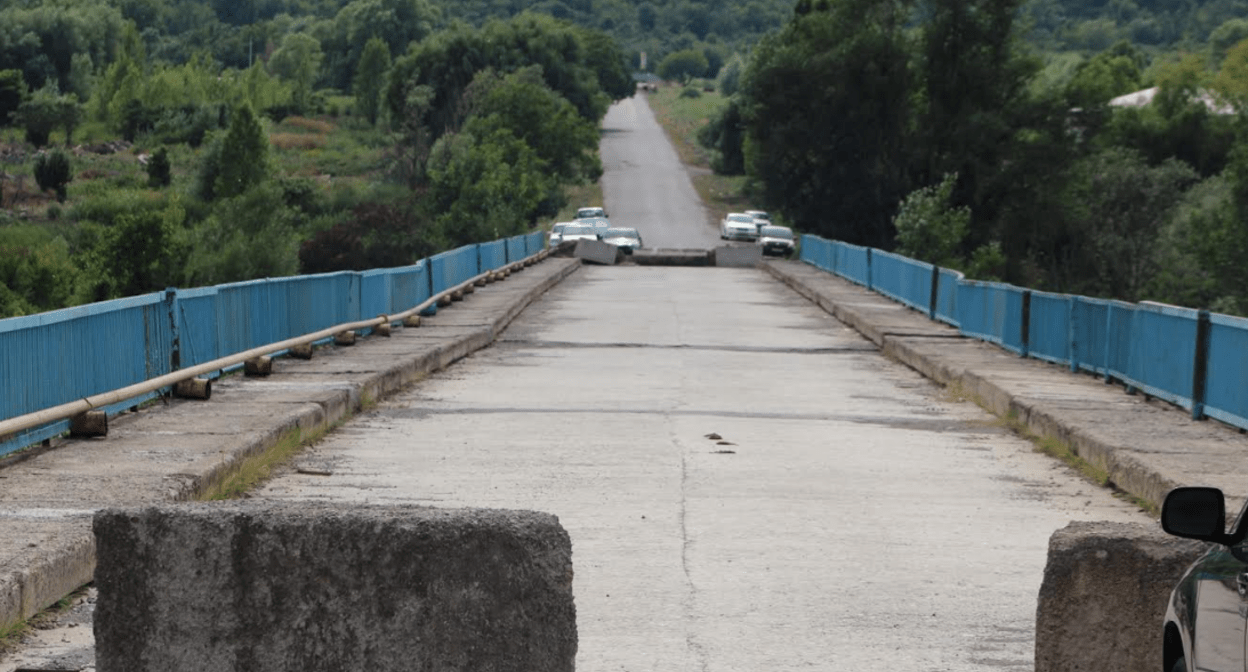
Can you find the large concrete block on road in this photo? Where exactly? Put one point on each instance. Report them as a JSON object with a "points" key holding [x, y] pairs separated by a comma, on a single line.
{"points": [[1104, 596], [597, 252], [314, 586], [738, 257], [671, 257]]}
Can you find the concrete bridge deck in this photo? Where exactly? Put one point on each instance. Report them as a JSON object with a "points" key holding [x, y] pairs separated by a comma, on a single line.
{"points": [[168, 453]]}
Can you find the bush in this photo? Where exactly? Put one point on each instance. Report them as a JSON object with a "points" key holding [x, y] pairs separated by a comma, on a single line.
{"points": [[690, 92], [159, 170], [52, 173]]}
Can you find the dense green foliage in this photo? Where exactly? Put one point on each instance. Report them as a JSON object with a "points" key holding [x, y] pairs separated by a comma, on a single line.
{"points": [[259, 169], [311, 135], [853, 116]]}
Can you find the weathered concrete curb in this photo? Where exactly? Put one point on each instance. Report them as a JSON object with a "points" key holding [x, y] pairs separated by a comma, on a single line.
{"points": [[326, 587], [59, 557], [1151, 449], [1104, 596]]}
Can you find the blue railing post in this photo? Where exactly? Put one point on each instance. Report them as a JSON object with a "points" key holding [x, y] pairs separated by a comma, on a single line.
{"points": [[869, 283], [1200, 365], [1024, 336], [931, 304], [175, 341], [1073, 330]]}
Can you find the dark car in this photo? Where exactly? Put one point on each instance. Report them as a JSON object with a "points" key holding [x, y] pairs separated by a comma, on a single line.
{"points": [[1207, 616]]}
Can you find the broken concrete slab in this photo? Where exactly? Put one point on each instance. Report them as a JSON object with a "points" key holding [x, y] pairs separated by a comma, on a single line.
{"points": [[597, 252], [320, 587]]}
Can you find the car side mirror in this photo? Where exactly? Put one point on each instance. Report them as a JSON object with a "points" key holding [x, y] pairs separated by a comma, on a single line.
{"points": [[1196, 513]]}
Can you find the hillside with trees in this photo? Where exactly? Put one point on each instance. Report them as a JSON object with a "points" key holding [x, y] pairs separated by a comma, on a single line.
{"points": [[959, 139], [151, 171], [148, 143]]}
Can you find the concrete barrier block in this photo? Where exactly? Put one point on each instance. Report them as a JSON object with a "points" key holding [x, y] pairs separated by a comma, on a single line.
{"points": [[1104, 596], [597, 252], [738, 257], [671, 257], [319, 587]]}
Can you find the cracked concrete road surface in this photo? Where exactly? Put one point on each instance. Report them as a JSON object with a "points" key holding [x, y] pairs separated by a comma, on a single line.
{"points": [[747, 483]]}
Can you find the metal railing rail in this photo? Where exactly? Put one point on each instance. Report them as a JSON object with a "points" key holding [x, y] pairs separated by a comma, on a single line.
{"points": [[58, 365], [1191, 358]]}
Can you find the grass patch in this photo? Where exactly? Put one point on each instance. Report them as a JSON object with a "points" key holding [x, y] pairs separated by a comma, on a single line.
{"points": [[579, 196], [11, 636], [296, 141], [256, 469], [1055, 448], [682, 118]]}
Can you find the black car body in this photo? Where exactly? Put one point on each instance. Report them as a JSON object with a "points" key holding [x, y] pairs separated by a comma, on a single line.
{"points": [[1207, 617]]}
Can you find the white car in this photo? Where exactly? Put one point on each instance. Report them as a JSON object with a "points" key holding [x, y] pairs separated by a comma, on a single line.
{"points": [[624, 238], [760, 217], [574, 231], [738, 226], [556, 233], [776, 239], [588, 213]]}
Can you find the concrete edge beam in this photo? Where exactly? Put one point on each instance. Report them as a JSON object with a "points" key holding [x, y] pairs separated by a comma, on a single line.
{"points": [[38, 585]]}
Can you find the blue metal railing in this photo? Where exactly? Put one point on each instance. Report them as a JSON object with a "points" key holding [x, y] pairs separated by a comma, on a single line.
{"points": [[62, 356], [1190, 358], [902, 279]]}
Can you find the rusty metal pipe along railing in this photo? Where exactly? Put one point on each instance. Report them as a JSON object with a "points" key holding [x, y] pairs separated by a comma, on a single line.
{"points": [[20, 423]]}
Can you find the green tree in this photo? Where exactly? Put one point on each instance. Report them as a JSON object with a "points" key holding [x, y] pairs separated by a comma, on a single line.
{"points": [[46, 110], [246, 236], [37, 272], [1123, 204], [1231, 82], [930, 228], [1104, 76], [138, 251], [397, 22], [485, 188], [53, 173], [298, 61], [1231, 32], [244, 156], [370, 77], [522, 104], [683, 65], [1218, 239], [446, 63], [159, 169], [833, 156], [730, 75], [12, 94]]}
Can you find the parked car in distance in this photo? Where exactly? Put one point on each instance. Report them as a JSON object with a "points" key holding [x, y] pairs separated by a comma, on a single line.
{"points": [[599, 224], [1206, 617], [587, 213], [738, 226], [777, 240], [624, 238], [760, 217], [556, 233], [578, 231]]}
